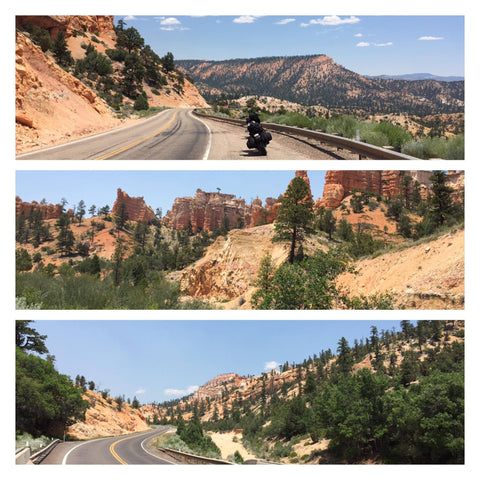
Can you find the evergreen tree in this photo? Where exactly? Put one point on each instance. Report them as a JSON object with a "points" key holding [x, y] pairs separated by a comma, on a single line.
{"points": [[294, 219], [60, 50]]}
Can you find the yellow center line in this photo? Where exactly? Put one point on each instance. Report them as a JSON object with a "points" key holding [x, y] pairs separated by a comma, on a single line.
{"points": [[131, 145], [115, 454]]}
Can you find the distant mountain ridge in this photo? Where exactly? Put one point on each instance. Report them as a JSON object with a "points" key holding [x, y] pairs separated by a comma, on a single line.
{"points": [[318, 80], [419, 76]]}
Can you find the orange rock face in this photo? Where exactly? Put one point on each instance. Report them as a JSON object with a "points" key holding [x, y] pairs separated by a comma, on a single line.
{"points": [[68, 23], [49, 211], [206, 211], [103, 419], [137, 209], [339, 183]]}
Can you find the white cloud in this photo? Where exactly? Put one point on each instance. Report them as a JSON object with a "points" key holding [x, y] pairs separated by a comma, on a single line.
{"points": [[169, 24], [245, 19], [367, 44], [358, 35], [270, 365], [332, 20], [129, 17], [140, 391], [430, 38], [169, 21], [173, 392], [285, 21]]}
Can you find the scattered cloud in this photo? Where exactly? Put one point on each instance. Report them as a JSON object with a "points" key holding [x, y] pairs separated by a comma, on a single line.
{"points": [[170, 24], [173, 392], [332, 20], [246, 19], [367, 44], [140, 391], [270, 365], [430, 38], [358, 35], [285, 21], [129, 18]]}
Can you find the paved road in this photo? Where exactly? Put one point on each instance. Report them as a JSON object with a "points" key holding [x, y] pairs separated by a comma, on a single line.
{"points": [[173, 134], [126, 450], [176, 134]]}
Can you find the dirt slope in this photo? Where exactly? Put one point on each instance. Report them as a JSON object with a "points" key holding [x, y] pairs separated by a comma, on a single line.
{"points": [[426, 276]]}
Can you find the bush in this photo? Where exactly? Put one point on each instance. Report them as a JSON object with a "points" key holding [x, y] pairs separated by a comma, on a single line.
{"points": [[141, 102]]}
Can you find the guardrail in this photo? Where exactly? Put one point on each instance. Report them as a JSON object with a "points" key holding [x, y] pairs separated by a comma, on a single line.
{"points": [[193, 459], [23, 455], [364, 150]]}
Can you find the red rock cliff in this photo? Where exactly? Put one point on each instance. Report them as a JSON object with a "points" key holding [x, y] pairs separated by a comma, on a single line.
{"points": [[137, 209], [339, 183], [206, 211], [69, 23], [48, 210]]}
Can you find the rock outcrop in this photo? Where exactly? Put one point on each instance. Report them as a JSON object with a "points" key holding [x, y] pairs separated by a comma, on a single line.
{"points": [[206, 211], [340, 183], [104, 419], [231, 264], [137, 209], [69, 24], [215, 387], [48, 210]]}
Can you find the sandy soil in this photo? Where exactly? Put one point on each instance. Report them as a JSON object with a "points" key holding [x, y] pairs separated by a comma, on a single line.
{"points": [[228, 445]]}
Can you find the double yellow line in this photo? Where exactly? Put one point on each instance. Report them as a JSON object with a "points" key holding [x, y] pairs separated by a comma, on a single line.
{"points": [[131, 145], [115, 454]]}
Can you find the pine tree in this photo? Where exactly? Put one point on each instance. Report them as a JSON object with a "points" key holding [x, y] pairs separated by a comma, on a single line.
{"points": [[294, 220]]}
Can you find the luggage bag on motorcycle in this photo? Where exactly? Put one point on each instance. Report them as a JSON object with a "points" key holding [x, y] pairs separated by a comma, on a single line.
{"points": [[250, 142], [266, 136]]}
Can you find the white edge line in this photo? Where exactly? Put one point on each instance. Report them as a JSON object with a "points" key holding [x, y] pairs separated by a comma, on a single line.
{"points": [[64, 461], [146, 451], [209, 145], [96, 135]]}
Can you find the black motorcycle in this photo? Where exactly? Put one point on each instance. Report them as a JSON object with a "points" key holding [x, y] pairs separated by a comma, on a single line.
{"points": [[258, 138]]}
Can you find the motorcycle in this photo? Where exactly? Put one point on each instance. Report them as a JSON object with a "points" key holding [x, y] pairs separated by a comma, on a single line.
{"points": [[258, 138]]}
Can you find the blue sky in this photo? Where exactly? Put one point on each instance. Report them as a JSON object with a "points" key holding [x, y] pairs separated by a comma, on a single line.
{"points": [[159, 188], [160, 360], [369, 45]]}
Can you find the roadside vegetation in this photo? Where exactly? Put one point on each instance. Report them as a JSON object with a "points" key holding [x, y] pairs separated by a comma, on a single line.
{"points": [[392, 397], [380, 134], [46, 402], [189, 438]]}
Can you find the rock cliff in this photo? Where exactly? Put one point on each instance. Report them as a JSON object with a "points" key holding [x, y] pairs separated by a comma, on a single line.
{"points": [[340, 183], [104, 419], [137, 209], [48, 210], [207, 210]]}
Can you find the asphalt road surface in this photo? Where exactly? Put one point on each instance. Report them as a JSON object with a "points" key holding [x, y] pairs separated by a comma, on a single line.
{"points": [[126, 450], [176, 134], [173, 134]]}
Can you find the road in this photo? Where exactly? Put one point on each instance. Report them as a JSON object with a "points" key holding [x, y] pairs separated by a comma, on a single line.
{"points": [[170, 135], [176, 134], [126, 450]]}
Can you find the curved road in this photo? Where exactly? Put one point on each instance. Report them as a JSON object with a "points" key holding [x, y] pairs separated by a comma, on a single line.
{"points": [[126, 450], [176, 134], [169, 135]]}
